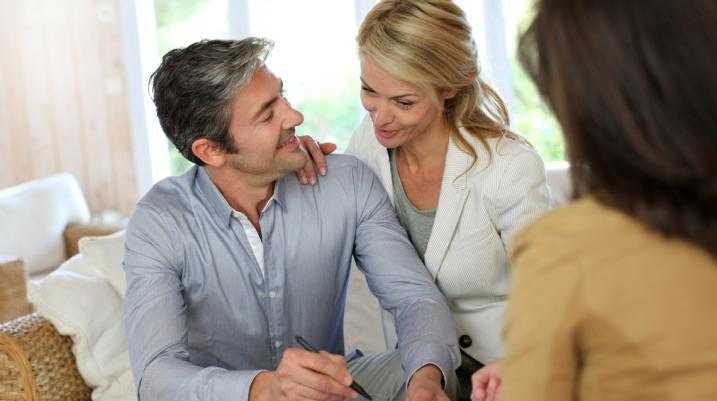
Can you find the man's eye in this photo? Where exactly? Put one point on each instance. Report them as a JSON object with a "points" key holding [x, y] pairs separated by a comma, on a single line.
{"points": [[268, 117], [365, 89], [405, 104]]}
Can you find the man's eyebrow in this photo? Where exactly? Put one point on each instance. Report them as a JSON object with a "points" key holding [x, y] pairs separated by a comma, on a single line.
{"points": [[269, 102], [367, 86]]}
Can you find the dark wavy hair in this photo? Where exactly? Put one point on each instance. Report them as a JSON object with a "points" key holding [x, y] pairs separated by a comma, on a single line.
{"points": [[194, 86], [634, 87]]}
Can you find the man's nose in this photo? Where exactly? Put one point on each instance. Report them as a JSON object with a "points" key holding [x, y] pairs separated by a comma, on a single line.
{"points": [[294, 118]]}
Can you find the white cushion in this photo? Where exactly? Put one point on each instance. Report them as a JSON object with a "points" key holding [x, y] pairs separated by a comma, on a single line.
{"points": [[34, 216], [80, 303], [106, 254]]}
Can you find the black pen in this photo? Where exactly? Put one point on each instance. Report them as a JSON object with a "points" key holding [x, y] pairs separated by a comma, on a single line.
{"points": [[355, 386]]}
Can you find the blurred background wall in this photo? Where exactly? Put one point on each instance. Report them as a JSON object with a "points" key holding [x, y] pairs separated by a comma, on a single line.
{"points": [[64, 98]]}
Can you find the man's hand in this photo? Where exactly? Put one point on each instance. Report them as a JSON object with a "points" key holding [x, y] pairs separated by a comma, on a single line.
{"points": [[303, 375], [317, 160], [425, 385], [486, 383]]}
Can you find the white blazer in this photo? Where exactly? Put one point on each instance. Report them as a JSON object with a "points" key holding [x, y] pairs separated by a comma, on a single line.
{"points": [[477, 216]]}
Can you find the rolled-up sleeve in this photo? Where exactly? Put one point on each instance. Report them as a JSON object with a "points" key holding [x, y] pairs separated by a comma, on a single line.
{"points": [[400, 281], [155, 320]]}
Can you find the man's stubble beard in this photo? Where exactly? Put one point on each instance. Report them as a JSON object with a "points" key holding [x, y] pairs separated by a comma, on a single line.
{"points": [[278, 166]]}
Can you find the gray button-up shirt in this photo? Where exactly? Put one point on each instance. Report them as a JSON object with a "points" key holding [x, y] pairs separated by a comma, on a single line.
{"points": [[202, 320]]}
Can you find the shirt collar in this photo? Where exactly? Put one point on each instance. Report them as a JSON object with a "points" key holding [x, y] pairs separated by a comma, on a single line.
{"points": [[221, 208]]}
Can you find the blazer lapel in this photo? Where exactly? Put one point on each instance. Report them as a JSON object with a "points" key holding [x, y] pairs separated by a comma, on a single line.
{"points": [[454, 193]]}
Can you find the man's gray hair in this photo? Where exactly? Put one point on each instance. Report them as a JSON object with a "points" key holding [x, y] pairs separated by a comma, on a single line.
{"points": [[193, 89]]}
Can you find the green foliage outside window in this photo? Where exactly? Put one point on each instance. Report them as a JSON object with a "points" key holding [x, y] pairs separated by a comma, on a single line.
{"points": [[533, 120], [168, 13], [177, 163], [332, 116]]}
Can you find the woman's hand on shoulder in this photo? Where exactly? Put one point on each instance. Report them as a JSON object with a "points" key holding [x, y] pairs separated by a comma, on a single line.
{"points": [[316, 153]]}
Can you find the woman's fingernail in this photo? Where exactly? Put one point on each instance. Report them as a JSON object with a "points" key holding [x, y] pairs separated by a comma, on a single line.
{"points": [[313, 180], [323, 171]]}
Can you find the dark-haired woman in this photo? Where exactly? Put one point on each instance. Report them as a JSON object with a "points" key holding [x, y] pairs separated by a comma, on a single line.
{"points": [[615, 295]]}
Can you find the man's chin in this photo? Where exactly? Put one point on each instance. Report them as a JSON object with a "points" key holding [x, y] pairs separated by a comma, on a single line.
{"points": [[293, 163]]}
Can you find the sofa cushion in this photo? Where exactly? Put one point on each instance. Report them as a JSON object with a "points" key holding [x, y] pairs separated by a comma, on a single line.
{"points": [[80, 303], [34, 215], [106, 254]]}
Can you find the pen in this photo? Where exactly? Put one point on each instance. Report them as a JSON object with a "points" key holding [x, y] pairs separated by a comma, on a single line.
{"points": [[355, 386]]}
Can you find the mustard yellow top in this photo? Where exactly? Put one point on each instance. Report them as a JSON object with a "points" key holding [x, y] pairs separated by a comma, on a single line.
{"points": [[604, 309]]}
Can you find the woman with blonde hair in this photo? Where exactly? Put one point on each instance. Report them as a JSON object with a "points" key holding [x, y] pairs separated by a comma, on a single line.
{"points": [[438, 138]]}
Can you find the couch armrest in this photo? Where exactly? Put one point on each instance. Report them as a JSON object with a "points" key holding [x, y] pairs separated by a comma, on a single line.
{"points": [[74, 232], [36, 363]]}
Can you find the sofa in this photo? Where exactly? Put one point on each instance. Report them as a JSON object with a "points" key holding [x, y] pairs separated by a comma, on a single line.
{"points": [[42, 221], [73, 348]]}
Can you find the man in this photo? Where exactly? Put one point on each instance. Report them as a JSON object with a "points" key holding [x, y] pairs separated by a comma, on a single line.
{"points": [[227, 263]]}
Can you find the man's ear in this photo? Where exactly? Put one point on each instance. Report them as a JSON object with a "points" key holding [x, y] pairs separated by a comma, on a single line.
{"points": [[209, 152]]}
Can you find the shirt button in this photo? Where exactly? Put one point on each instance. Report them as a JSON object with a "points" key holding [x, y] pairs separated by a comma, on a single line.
{"points": [[272, 294], [465, 341], [277, 344]]}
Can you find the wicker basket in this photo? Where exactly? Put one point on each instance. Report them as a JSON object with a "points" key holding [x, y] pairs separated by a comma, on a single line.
{"points": [[37, 364]]}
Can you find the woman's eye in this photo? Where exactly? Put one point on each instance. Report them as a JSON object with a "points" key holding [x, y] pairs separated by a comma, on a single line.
{"points": [[405, 104], [268, 117]]}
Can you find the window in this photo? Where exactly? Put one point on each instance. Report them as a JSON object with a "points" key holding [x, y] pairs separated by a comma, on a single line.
{"points": [[316, 57], [183, 22], [496, 26], [531, 116], [179, 24]]}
